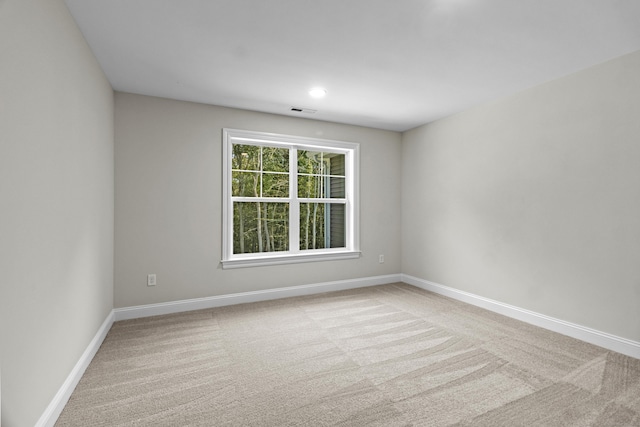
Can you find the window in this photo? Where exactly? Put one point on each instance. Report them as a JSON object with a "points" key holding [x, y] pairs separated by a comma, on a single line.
{"points": [[288, 199]]}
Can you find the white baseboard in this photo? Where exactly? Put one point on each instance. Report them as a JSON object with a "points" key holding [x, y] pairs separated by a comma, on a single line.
{"points": [[51, 414], [53, 411], [246, 297], [602, 339]]}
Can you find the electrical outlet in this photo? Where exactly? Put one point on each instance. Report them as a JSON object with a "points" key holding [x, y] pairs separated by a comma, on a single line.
{"points": [[151, 279], [381, 259]]}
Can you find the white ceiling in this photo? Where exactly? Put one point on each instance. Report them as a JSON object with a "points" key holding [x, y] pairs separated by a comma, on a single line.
{"points": [[385, 64]]}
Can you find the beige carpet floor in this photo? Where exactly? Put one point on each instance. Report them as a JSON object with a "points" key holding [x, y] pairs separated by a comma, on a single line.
{"points": [[390, 355]]}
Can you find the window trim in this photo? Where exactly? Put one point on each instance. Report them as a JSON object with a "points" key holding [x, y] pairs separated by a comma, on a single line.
{"points": [[294, 255]]}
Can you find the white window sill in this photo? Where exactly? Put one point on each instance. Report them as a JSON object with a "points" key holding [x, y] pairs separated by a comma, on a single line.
{"points": [[287, 259]]}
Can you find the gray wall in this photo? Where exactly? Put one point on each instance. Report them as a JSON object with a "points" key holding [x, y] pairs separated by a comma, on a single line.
{"points": [[535, 200], [56, 196], [168, 201]]}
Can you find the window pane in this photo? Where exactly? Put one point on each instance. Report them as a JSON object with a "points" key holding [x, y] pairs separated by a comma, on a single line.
{"points": [[312, 162], [255, 158], [336, 188], [260, 227], [322, 225], [310, 186], [275, 159], [336, 164], [320, 187], [245, 157], [275, 185], [245, 184], [320, 163], [250, 184]]}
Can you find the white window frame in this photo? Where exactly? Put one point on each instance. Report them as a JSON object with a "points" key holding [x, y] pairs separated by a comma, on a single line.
{"points": [[295, 254]]}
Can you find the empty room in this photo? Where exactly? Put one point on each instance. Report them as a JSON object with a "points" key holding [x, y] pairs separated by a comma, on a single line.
{"points": [[334, 213]]}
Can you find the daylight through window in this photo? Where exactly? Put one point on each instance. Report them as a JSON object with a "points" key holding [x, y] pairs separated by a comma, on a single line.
{"points": [[288, 199]]}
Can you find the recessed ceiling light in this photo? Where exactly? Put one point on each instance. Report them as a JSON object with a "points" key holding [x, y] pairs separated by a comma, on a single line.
{"points": [[318, 92]]}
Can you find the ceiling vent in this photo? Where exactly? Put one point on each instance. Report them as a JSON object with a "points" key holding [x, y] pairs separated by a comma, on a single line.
{"points": [[303, 110]]}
